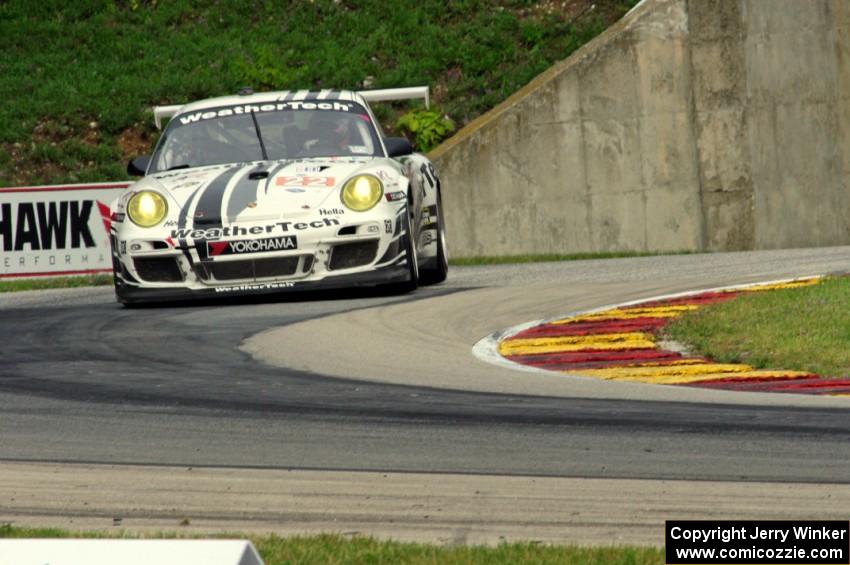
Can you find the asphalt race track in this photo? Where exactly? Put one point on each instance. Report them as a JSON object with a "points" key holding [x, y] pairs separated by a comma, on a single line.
{"points": [[370, 413]]}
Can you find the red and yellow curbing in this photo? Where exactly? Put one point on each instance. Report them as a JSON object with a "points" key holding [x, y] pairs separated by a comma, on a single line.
{"points": [[620, 344]]}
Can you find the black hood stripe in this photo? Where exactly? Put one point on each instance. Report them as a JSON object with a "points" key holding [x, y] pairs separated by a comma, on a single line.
{"points": [[209, 204], [184, 219], [184, 212], [272, 172], [208, 211], [245, 192]]}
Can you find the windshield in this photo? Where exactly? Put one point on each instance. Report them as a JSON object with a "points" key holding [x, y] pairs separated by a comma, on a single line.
{"points": [[254, 132]]}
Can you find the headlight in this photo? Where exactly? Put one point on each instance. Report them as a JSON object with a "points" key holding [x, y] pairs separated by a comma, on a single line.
{"points": [[362, 192], [146, 208]]}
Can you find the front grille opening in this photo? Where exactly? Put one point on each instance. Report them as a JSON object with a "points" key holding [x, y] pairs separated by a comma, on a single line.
{"points": [[250, 269], [158, 269], [159, 245], [276, 267], [347, 230], [355, 254], [231, 270]]}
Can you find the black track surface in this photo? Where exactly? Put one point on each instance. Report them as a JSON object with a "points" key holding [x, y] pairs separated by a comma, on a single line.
{"points": [[95, 382]]}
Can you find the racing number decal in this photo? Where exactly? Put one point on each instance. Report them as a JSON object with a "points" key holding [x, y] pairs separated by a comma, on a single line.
{"points": [[305, 181]]}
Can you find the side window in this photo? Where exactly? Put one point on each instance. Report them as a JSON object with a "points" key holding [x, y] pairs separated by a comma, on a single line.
{"points": [[362, 140]]}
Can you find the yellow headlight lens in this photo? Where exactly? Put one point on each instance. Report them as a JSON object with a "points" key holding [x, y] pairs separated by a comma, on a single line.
{"points": [[146, 208], [362, 192]]}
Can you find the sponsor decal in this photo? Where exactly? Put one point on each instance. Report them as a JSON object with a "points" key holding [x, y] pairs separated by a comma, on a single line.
{"points": [[295, 190], [47, 225], [123, 247], [395, 196], [249, 287], [180, 176], [430, 173], [388, 226], [382, 174], [189, 184], [39, 235], [299, 180], [241, 109], [331, 211], [309, 169], [169, 224], [236, 231], [358, 149], [241, 246]]}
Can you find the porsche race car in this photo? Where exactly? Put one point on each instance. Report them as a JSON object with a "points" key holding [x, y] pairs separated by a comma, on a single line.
{"points": [[277, 191]]}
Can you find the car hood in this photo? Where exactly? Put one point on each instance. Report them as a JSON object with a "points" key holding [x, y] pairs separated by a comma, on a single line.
{"points": [[269, 190]]}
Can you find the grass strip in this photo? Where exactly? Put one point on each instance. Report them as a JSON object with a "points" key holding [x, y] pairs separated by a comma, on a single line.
{"points": [[329, 549], [549, 257], [804, 329], [106, 279], [55, 282]]}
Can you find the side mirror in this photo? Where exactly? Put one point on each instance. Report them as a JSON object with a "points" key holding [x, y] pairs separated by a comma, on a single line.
{"points": [[398, 146], [138, 166]]}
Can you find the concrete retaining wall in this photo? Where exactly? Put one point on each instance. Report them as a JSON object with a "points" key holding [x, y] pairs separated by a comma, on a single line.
{"points": [[688, 125]]}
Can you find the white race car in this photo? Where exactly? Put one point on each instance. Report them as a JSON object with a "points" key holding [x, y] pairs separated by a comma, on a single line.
{"points": [[277, 191]]}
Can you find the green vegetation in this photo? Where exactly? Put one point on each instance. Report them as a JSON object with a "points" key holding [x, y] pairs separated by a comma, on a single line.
{"points": [[426, 127], [547, 257], [334, 549], [805, 329], [54, 282], [93, 280], [79, 77], [96, 280]]}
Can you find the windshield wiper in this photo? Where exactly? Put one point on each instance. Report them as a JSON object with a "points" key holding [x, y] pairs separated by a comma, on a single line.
{"points": [[260, 137], [183, 166]]}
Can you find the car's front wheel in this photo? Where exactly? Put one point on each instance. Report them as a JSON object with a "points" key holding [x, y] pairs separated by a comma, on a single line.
{"points": [[441, 261], [411, 257]]}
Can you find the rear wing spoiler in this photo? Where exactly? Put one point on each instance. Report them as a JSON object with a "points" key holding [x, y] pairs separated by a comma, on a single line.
{"points": [[409, 93], [161, 112]]}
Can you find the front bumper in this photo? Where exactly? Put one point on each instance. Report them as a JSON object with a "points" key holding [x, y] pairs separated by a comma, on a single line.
{"points": [[259, 258], [133, 294]]}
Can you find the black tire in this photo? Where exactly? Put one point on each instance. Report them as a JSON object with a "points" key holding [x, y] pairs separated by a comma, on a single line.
{"points": [[412, 259], [116, 281], [119, 293], [441, 268]]}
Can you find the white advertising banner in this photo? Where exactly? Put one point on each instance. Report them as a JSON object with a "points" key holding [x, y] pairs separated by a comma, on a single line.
{"points": [[56, 230]]}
